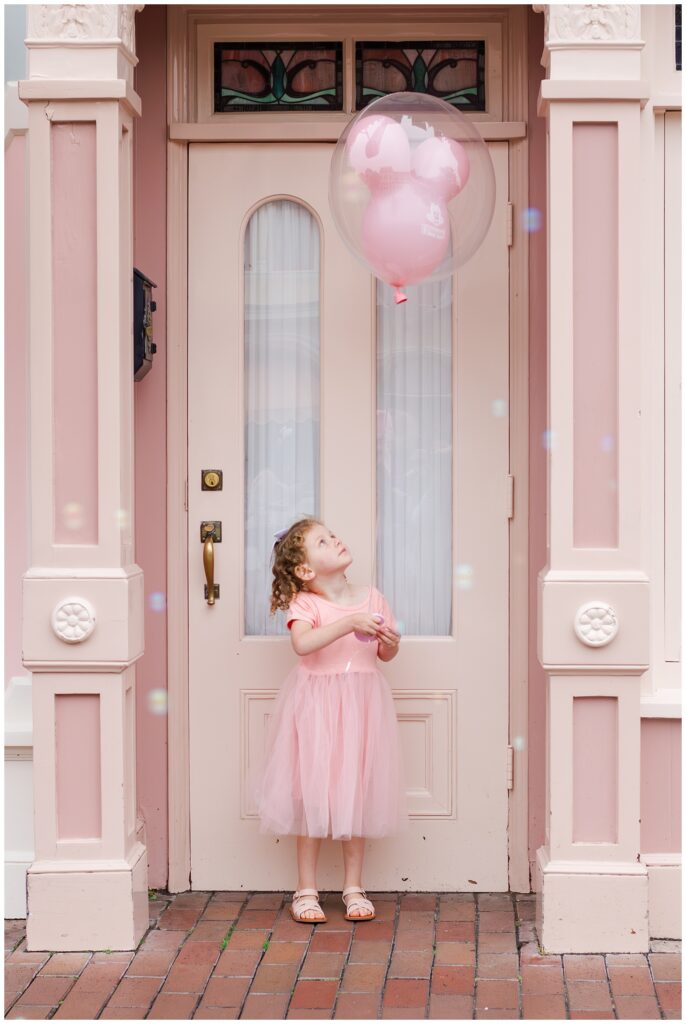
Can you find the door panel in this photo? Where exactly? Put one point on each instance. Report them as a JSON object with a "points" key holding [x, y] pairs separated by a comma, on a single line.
{"points": [[451, 690]]}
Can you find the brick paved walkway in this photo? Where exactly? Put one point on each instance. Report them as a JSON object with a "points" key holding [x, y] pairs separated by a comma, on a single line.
{"points": [[230, 954]]}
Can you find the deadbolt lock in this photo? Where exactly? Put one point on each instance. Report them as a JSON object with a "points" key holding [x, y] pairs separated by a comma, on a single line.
{"points": [[211, 479]]}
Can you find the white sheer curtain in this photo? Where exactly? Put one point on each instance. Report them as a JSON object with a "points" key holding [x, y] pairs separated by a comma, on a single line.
{"points": [[414, 455], [281, 289]]}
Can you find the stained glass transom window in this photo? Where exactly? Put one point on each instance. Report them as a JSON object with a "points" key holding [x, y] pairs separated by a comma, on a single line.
{"points": [[453, 71], [285, 76]]}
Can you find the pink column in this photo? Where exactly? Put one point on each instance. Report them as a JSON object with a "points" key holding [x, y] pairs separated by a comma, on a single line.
{"points": [[83, 595], [593, 594]]}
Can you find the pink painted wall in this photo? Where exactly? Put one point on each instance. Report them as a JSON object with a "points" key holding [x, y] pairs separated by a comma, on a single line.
{"points": [[661, 785], [538, 368], [660, 802], [16, 437], [150, 219]]}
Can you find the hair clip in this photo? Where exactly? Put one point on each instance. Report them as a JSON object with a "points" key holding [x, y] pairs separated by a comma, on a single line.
{"points": [[280, 534]]}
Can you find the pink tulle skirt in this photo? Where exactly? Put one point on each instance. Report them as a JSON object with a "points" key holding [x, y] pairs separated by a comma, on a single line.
{"points": [[332, 763]]}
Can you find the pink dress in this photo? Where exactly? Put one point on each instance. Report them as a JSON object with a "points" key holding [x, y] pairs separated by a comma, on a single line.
{"points": [[332, 763]]}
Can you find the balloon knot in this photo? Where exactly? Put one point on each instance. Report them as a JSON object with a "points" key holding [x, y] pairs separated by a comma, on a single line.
{"points": [[400, 296]]}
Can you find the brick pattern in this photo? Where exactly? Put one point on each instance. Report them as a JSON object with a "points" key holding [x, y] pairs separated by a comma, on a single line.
{"points": [[449, 956]]}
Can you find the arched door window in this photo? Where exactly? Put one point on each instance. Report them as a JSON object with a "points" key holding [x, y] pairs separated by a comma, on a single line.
{"points": [[281, 381]]}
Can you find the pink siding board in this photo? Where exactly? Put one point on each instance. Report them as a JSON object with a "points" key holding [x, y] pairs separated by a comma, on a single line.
{"points": [[661, 785], [538, 368], [150, 226]]}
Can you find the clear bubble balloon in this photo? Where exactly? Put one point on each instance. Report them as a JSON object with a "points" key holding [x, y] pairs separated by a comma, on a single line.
{"points": [[411, 188]]}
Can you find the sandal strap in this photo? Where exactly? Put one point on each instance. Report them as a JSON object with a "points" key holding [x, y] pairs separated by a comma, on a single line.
{"points": [[357, 901], [302, 900], [359, 904]]}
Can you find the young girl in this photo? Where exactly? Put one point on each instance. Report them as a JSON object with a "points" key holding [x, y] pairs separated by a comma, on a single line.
{"points": [[332, 764]]}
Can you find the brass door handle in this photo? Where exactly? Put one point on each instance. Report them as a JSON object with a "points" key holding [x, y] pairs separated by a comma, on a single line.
{"points": [[210, 533], [208, 563]]}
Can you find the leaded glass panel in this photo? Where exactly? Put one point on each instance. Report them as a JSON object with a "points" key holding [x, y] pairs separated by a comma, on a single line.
{"points": [[284, 76], [452, 71]]}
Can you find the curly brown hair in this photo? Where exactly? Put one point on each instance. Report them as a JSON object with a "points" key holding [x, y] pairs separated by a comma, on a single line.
{"points": [[288, 553]]}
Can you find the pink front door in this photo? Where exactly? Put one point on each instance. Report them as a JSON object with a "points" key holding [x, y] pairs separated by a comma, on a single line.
{"points": [[312, 393]]}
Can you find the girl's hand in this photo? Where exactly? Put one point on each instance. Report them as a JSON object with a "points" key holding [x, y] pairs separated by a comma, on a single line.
{"points": [[388, 636], [361, 622]]}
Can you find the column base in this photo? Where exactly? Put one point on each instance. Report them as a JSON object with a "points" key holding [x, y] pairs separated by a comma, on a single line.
{"points": [[586, 907], [664, 894], [88, 905]]}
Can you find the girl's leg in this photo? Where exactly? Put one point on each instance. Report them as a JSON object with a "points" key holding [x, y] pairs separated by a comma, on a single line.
{"points": [[308, 852], [353, 854]]}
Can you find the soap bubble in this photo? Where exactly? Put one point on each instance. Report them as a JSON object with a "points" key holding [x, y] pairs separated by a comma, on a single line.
{"points": [[157, 701], [157, 601], [72, 515], [464, 576], [531, 219], [411, 188]]}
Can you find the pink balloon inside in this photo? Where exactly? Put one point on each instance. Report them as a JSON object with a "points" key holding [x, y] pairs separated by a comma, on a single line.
{"points": [[443, 165], [378, 149], [363, 636], [405, 233]]}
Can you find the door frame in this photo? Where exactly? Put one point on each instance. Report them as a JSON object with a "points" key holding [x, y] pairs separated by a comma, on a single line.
{"points": [[182, 26]]}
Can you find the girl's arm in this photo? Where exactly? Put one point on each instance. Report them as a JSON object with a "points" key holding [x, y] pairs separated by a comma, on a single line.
{"points": [[306, 638], [387, 652], [389, 637]]}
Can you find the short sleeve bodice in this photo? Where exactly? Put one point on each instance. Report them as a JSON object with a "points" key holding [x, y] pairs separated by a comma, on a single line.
{"points": [[347, 653]]}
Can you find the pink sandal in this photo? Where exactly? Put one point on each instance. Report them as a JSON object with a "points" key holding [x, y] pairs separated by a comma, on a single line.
{"points": [[357, 901], [303, 900]]}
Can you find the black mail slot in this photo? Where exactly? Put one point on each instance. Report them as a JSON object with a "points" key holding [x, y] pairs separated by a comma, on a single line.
{"points": [[144, 306]]}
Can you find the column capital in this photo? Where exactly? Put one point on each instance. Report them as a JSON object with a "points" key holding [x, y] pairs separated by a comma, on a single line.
{"points": [[576, 23], [89, 23], [81, 41], [591, 40]]}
